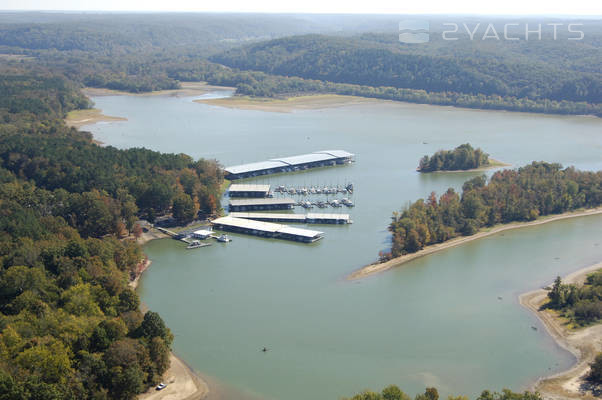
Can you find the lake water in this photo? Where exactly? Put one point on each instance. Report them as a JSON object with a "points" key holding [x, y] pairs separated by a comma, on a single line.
{"points": [[437, 321]]}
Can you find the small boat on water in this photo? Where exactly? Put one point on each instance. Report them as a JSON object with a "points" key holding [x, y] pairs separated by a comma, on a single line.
{"points": [[195, 244], [345, 201], [223, 238]]}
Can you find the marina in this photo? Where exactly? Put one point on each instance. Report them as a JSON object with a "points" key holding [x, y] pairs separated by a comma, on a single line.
{"points": [[325, 158], [233, 300], [266, 229], [309, 218]]}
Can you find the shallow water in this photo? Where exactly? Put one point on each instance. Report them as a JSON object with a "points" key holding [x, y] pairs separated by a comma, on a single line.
{"points": [[436, 321]]}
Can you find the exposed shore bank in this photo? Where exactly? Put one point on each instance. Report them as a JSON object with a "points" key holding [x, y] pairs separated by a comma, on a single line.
{"points": [[79, 118], [182, 383], [288, 105], [584, 343], [395, 262], [493, 164], [186, 89]]}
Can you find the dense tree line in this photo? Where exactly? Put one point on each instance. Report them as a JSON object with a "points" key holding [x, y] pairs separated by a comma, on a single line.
{"points": [[510, 195], [138, 179], [393, 392], [368, 61], [140, 54], [461, 158], [70, 326], [580, 304]]}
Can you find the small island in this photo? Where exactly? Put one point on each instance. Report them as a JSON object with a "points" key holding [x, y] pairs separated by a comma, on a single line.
{"points": [[462, 158]]}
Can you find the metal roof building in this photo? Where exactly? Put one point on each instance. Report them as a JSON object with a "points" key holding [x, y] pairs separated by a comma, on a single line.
{"points": [[322, 158], [266, 229], [202, 234], [244, 190], [309, 218], [261, 204]]}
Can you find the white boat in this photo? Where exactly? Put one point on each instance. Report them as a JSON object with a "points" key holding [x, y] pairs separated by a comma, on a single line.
{"points": [[223, 238]]}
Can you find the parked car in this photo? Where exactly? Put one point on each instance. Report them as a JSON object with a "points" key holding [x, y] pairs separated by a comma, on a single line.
{"points": [[161, 386]]}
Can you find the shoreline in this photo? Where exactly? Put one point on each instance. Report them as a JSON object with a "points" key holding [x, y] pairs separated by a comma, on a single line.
{"points": [[78, 118], [494, 164], [186, 89], [289, 104], [376, 268], [583, 343], [183, 383]]}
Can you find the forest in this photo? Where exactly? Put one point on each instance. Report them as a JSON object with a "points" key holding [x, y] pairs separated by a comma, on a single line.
{"points": [[462, 157], [70, 325], [260, 58], [524, 194], [463, 73]]}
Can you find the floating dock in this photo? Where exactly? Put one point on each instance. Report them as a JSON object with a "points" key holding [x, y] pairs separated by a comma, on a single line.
{"points": [[325, 158], [243, 190], [266, 229], [261, 204], [309, 218]]}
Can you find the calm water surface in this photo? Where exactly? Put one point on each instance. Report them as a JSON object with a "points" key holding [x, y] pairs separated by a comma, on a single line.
{"points": [[437, 321]]}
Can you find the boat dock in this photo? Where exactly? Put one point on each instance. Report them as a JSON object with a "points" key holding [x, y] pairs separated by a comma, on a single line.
{"points": [[245, 190], [266, 229], [261, 204], [309, 218], [325, 158]]}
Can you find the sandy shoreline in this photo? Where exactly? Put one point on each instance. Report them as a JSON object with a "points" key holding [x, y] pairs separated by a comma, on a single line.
{"points": [[395, 262], [182, 383], [288, 105], [79, 118], [584, 343]]}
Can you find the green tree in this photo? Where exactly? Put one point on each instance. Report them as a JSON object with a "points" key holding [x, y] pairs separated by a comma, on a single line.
{"points": [[184, 210]]}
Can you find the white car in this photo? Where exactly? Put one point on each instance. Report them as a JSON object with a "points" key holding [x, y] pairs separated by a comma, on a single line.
{"points": [[161, 386]]}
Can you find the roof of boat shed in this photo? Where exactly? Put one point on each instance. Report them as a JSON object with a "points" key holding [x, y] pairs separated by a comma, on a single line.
{"points": [[256, 166], [304, 158], [262, 201], [316, 156], [265, 226], [241, 187]]}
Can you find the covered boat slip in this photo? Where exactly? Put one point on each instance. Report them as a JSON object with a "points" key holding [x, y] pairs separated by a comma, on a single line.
{"points": [[261, 204], [248, 190], [309, 218], [266, 229], [301, 162]]}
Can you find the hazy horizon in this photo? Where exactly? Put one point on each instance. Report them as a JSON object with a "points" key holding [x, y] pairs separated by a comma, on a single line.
{"points": [[337, 7]]}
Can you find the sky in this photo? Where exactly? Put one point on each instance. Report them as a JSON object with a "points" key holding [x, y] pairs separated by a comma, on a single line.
{"points": [[490, 7]]}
